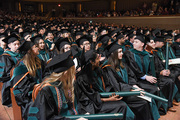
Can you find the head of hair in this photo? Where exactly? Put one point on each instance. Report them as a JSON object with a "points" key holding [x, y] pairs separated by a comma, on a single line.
{"points": [[114, 61], [32, 62]]}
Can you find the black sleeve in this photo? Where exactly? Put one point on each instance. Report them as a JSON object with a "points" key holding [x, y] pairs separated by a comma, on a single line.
{"points": [[6, 65], [44, 107], [131, 76], [23, 90], [130, 61]]}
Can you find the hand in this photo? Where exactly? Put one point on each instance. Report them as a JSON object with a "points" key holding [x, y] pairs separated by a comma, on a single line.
{"points": [[114, 97], [165, 72], [137, 89], [52, 46], [151, 79]]}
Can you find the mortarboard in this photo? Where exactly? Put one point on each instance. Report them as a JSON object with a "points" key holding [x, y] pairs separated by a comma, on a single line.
{"points": [[141, 38], [119, 36], [83, 39], [11, 38], [60, 42], [111, 48], [159, 38], [176, 37], [36, 38], [60, 62], [25, 46]]}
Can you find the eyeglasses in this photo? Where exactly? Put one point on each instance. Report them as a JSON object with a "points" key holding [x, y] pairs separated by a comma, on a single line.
{"points": [[67, 48]]}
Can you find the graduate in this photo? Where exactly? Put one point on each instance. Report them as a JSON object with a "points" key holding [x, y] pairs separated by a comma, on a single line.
{"points": [[173, 69], [44, 54], [49, 40], [124, 75], [176, 46], [27, 73], [166, 82], [138, 60], [8, 60], [2, 44], [88, 89], [56, 97]]}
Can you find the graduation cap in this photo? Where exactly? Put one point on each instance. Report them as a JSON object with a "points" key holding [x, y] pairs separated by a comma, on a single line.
{"points": [[102, 29], [141, 38], [111, 48], [25, 46], [167, 37], [61, 62], [11, 38], [83, 39], [91, 31], [65, 31], [36, 38], [78, 33], [104, 39], [156, 32], [60, 42], [113, 32], [2, 35], [25, 33], [159, 38], [176, 37], [119, 36]]}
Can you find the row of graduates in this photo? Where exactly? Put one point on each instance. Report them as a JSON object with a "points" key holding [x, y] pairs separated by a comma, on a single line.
{"points": [[91, 79]]}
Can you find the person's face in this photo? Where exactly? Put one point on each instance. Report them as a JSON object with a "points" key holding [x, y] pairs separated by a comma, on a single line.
{"points": [[3, 45], [20, 30], [41, 32], [27, 37], [67, 48], [50, 36], [86, 45], [137, 44], [169, 41], [159, 44], [103, 32], [14, 45], [120, 54], [78, 36], [35, 49], [96, 62], [152, 44], [41, 44], [66, 35]]}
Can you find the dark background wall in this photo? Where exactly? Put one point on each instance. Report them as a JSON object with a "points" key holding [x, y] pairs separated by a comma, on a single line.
{"points": [[90, 5]]}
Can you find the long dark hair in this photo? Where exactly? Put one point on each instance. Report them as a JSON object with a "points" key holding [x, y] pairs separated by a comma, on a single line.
{"points": [[114, 61]]}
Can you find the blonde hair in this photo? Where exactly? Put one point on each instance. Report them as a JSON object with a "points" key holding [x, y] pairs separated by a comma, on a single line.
{"points": [[32, 62], [66, 78]]}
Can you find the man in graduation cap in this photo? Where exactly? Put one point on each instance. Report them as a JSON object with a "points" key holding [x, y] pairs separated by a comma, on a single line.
{"points": [[174, 69], [138, 60], [166, 82], [84, 42], [176, 45], [8, 60]]}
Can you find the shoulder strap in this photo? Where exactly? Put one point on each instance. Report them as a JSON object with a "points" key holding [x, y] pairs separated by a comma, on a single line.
{"points": [[20, 79]]}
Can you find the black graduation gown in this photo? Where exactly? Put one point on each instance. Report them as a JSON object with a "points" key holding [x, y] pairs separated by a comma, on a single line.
{"points": [[176, 48], [45, 106], [137, 105], [89, 100], [165, 83], [23, 90], [8, 60], [174, 69], [147, 86]]}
